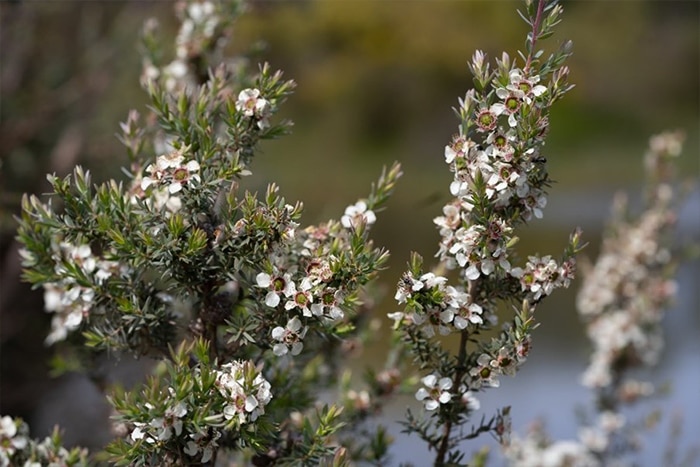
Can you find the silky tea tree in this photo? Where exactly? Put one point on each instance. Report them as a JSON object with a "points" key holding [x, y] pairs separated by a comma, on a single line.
{"points": [[248, 311], [500, 183], [622, 302], [245, 308]]}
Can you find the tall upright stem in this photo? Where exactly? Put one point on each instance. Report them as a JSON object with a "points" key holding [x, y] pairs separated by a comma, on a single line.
{"points": [[535, 32]]}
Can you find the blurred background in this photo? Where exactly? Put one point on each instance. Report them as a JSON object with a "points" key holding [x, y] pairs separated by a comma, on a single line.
{"points": [[376, 83]]}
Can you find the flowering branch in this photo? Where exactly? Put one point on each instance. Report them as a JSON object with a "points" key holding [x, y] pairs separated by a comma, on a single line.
{"points": [[16, 446], [500, 182], [176, 257]]}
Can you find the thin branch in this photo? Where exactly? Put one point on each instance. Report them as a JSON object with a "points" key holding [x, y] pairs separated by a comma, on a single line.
{"points": [[535, 33]]}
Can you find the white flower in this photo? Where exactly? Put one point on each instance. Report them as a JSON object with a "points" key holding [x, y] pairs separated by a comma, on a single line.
{"points": [[8, 428], [431, 280], [487, 119], [289, 338], [199, 12], [81, 255], [247, 399], [469, 400], [407, 285], [182, 175], [252, 105], [171, 421], [70, 304], [525, 88], [505, 362], [469, 314], [137, 433], [459, 148], [301, 298], [161, 198], [176, 69], [10, 441], [141, 432], [356, 214], [472, 272], [277, 284], [330, 301], [159, 170], [247, 100], [437, 391], [483, 374], [170, 169], [174, 75], [202, 442]]}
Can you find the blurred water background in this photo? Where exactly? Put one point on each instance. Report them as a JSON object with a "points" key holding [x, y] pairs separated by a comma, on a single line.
{"points": [[377, 81]]}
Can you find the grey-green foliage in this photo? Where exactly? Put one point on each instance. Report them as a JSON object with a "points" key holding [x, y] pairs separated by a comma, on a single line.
{"points": [[177, 261]]}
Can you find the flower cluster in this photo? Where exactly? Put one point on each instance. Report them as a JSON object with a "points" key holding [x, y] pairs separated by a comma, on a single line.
{"points": [[499, 183], [499, 174], [180, 257], [435, 304], [586, 451], [72, 297], [303, 282], [171, 170], [437, 391], [536, 449], [313, 296], [601, 437], [201, 24], [18, 449], [226, 276], [621, 301], [460, 245], [165, 179], [10, 440], [247, 391], [623, 296], [169, 259], [542, 276], [162, 427], [202, 406]]}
